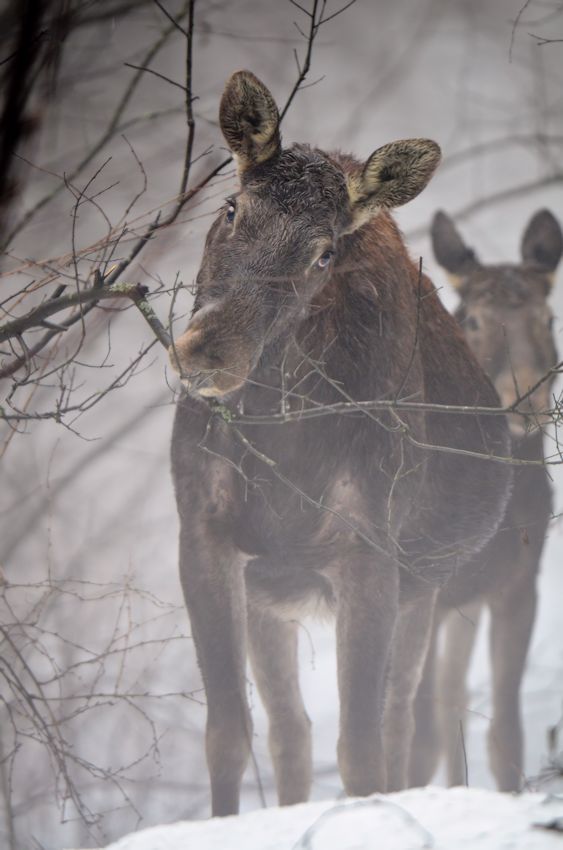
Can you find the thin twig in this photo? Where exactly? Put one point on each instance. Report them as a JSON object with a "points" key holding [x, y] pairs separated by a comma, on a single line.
{"points": [[515, 27], [156, 74], [170, 17]]}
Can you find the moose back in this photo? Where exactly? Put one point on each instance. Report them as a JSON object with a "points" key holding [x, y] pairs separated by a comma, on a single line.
{"points": [[304, 480]]}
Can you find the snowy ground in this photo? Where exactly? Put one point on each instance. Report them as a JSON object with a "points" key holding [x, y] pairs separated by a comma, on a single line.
{"points": [[422, 818]]}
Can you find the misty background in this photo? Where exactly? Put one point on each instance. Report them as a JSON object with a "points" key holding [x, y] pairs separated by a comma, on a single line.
{"points": [[92, 614]]}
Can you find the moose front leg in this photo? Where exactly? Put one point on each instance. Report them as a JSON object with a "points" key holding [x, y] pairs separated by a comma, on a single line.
{"points": [[212, 578], [367, 594], [273, 648]]}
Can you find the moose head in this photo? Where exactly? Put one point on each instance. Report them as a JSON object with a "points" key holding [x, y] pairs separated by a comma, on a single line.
{"points": [[505, 314], [276, 242]]}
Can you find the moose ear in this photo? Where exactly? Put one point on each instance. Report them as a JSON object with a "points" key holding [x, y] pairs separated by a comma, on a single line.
{"points": [[249, 120], [542, 242], [393, 175], [450, 250]]}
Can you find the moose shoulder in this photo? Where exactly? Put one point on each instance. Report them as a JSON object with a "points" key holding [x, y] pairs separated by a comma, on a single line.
{"points": [[306, 298]]}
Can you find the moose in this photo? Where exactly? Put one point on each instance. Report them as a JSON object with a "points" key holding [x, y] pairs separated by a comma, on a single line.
{"points": [[508, 324], [317, 461]]}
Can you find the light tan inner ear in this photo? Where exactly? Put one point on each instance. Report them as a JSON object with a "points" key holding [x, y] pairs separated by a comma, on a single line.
{"points": [[249, 120], [455, 280], [361, 211], [392, 176], [356, 191], [265, 144]]}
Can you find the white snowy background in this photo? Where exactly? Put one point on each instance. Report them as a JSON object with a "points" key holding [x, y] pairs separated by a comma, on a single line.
{"points": [[97, 510], [452, 819]]}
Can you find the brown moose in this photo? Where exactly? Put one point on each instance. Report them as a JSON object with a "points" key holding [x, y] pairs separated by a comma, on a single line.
{"points": [[293, 495], [508, 324]]}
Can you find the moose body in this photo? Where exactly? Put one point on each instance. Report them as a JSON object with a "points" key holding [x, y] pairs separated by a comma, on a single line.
{"points": [[307, 299], [508, 324]]}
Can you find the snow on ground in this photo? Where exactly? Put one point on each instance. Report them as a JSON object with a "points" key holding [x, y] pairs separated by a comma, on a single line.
{"points": [[437, 818]]}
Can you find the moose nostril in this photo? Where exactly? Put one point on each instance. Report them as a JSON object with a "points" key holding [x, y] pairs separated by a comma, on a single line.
{"points": [[214, 360], [204, 354], [196, 350], [195, 343]]}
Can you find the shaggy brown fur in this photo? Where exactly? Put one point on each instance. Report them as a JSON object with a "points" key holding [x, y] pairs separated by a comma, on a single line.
{"points": [[306, 297]]}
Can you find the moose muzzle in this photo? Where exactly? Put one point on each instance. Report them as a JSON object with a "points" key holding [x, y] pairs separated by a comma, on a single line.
{"points": [[532, 409], [217, 351]]}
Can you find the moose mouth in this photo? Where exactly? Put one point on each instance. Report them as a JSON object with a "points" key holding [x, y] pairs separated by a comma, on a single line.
{"points": [[200, 385], [525, 425], [529, 419], [207, 384], [530, 410]]}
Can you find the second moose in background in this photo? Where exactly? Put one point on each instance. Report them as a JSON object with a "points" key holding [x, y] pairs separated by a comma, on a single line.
{"points": [[507, 321]]}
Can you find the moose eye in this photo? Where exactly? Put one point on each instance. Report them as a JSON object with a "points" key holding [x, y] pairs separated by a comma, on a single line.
{"points": [[471, 324], [231, 210], [324, 259]]}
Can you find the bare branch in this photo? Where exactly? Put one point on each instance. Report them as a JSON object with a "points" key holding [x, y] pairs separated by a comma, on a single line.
{"points": [[156, 74], [170, 17], [515, 27], [541, 41]]}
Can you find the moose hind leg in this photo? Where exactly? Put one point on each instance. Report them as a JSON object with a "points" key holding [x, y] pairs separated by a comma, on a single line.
{"points": [[425, 749], [213, 584], [512, 621], [460, 629], [273, 645], [411, 640]]}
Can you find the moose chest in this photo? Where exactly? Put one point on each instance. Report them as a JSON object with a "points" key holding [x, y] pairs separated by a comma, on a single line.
{"points": [[295, 494]]}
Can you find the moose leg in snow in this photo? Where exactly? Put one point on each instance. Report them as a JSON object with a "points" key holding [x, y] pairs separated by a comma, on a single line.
{"points": [[425, 748], [367, 602], [460, 631], [512, 621], [273, 655], [213, 583], [413, 629]]}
